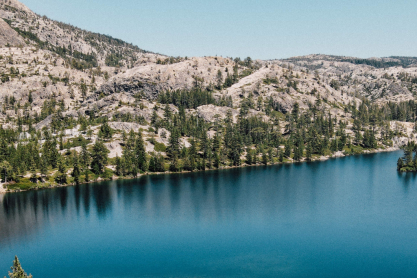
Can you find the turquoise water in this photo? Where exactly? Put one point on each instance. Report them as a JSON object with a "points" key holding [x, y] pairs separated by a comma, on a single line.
{"points": [[346, 217]]}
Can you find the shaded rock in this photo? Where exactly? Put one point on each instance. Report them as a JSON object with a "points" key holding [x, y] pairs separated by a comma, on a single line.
{"points": [[44, 123], [395, 89], [8, 36]]}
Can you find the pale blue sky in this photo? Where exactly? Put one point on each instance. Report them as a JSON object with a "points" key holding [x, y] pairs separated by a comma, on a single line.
{"points": [[260, 29]]}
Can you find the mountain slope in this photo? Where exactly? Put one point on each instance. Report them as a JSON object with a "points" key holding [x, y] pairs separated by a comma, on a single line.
{"points": [[81, 92]]}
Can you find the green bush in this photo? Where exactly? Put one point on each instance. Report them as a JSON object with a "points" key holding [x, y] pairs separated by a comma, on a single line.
{"points": [[160, 147], [23, 184], [107, 174]]}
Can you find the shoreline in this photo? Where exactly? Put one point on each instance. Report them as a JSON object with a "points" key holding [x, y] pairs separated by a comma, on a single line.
{"points": [[339, 154]]}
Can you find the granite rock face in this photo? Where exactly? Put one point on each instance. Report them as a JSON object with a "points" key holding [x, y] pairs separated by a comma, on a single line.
{"points": [[153, 79], [8, 36]]}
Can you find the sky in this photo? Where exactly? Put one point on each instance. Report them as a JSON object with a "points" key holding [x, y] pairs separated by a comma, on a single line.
{"points": [[268, 29]]}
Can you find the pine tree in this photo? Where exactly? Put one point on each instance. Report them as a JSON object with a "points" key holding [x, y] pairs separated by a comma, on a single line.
{"points": [[400, 164], [105, 131], [84, 156], [249, 156], [217, 161], [287, 151], [6, 170], [187, 164], [154, 117], [309, 152], [17, 270], [86, 175], [99, 157], [76, 172], [61, 142], [140, 153], [160, 163], [119, 166], [174, 166], [270, 157], [174, 144], [53, 154], [135, 171], [297, 154], [33, 176], [61, 177], [334, 145], [408, 155], [264, 158], [167, 113], [3, 149], [152, 164], [219, 80], [43, 166]]}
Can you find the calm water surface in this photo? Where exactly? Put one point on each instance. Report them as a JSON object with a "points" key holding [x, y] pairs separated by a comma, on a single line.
{"points": [[347, 217]]}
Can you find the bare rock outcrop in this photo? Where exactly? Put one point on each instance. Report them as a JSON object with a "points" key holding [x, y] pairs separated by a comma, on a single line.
{"points": [[44, 123], [210, 113], [126, 127], [8, 36], [395, 89], [153, 79], [115, 149], [399, 142]]}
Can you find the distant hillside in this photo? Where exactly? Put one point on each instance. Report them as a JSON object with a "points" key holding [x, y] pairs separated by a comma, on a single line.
{"points": [[393, 61], [88, 49]]}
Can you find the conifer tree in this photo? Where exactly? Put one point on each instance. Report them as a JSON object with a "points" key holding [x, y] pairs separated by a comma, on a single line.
{"points": [[297, 153], [219, 80], [309, 152], [287, 150], [154, 117], [264, 158], [140, 153], [17, 270], [6, 170], [119, 171], [400, 164], [43, 166], [62, 171], [174, 166], [84, 156], [99, 157], [76, 172], [167, 113], [105, 132], [152, 164], [249, 156], [160, 164]]}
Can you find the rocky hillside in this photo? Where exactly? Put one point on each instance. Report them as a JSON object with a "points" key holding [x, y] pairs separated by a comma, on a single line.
{"points": [[379, 79], [60, 78], [45, 59], [89, 48]]}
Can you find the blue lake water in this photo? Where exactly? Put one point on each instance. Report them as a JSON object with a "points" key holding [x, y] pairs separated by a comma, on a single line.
{"points": [[346, 217]]}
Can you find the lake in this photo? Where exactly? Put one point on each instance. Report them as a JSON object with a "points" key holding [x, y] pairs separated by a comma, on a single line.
{"points": [[345, 217]]}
